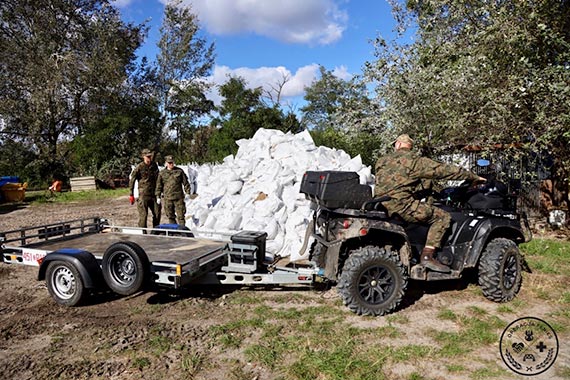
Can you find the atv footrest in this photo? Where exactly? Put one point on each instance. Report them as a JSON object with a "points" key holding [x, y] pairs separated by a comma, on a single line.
{"points": [[419, 272]]}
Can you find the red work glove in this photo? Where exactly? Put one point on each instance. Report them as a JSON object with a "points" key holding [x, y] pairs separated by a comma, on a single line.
{"points": [[132, 199]]}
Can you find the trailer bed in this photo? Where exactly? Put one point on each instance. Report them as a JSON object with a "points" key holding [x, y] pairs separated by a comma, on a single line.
{"points": [[179, 250]]}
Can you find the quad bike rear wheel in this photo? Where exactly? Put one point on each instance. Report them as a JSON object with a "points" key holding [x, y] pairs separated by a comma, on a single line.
{"points": [[373, 281], [500, 270]]}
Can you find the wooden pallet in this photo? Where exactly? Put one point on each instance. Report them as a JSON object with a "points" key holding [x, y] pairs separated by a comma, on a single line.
{"points": [[83, 183]]}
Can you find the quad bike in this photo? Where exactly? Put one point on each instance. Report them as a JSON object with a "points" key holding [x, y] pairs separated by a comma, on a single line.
{"points": [[371, 256]]}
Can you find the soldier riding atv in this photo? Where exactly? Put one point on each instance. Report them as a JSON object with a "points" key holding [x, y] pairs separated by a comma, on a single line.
{"points": [[371, 255]]}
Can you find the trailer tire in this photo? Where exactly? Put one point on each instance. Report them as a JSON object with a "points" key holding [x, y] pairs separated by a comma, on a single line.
{"points": [[64, 283], [373, 281], [125, 268]]}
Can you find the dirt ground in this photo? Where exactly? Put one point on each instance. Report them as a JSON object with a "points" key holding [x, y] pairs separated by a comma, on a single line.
{"points": [[164, 336]]}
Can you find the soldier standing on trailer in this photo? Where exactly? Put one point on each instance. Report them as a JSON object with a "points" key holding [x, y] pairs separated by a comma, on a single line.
{"points": [[169, 186], [146, 173]]}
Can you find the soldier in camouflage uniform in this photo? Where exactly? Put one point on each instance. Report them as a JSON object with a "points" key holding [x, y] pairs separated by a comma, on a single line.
{"points": [[399, 175], [146, 173], [171, 181]]}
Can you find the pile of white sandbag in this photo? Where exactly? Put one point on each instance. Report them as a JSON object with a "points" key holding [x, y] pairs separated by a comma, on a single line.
{"points": [[258, 189]]}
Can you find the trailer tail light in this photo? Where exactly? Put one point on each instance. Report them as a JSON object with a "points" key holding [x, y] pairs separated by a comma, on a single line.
{"points": [[346, 223], [363, 231], [303, 278], [179, 270]]}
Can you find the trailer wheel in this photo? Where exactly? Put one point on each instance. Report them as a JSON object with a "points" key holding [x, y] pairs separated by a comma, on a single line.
{"points": [[125, 268], [373, 281], [500, 270], [64, 283]]}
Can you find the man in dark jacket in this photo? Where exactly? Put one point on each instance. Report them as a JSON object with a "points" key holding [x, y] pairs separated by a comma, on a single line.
{"points": [[146, 173], [170, 184], [399, 175]]}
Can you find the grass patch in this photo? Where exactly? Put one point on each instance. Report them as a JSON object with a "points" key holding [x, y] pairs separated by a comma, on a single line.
{"points": [[548, 256], [41, 197], [140, 362], [410, 352], [455, 368], [397, 318], [231, 335], [488, 373], [474, 332], [192, 363], [502, 308], [347, 359], [159, 344]]}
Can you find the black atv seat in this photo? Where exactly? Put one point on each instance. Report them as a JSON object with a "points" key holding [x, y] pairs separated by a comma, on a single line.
{"points": [[375, 204]]}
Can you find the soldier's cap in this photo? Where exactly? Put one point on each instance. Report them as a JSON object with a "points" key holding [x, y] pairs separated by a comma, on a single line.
{"points": [[169, 159], [146, 152], [404, 139]]}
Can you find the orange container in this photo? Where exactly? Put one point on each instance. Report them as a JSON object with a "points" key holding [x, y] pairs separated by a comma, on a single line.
{"points": [[14, 192]]}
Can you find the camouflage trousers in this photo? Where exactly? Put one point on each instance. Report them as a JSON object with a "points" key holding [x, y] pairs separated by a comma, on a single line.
{"points": [[175, 211], [421, 212], [143, 205]]}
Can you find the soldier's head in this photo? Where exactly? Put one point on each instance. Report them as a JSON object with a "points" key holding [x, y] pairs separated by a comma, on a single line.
{"points": [[403, 141], [169, 162], [147, 156]]}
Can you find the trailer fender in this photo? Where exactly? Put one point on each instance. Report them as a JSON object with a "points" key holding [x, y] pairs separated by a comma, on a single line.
{"points": [[84, 261]]}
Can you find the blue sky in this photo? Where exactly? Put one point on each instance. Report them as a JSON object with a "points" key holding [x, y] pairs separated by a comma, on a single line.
{"points": [[264, 41]]}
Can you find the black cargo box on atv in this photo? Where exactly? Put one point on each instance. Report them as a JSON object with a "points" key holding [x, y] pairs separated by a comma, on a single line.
{"points": [[335, 189]]}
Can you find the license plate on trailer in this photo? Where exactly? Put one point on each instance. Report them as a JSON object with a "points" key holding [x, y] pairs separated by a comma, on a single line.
{"points": [[31, 256]]}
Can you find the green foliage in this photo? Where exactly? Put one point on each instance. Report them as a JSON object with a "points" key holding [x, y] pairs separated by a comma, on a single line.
{"points": [[340, 114], [110, 144], [484, 74], [185, 59], [19, 159], [56, 74]]}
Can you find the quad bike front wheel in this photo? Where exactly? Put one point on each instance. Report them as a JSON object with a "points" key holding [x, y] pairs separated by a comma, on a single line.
{"points": [[373, 281], [500, 270]]}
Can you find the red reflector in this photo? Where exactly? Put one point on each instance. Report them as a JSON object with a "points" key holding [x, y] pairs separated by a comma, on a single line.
{"points": [[302, 278], [321, 177], [40, 260], [346, 223], [363, 231]]}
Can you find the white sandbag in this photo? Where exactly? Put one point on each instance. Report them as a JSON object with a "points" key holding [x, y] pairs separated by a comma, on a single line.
{"points": [[258, 188], [234, 187]]}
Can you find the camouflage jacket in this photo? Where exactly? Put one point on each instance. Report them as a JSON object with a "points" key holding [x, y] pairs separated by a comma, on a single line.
{"points": [[400, 174], [171, 182], [147, 176]]}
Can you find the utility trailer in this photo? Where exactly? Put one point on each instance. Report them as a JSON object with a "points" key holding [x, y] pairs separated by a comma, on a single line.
{"points": [[78, 256]]}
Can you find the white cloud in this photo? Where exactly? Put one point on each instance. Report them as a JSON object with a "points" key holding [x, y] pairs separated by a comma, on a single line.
{"points": [[121, 3], [269, 78], [294, 21]]}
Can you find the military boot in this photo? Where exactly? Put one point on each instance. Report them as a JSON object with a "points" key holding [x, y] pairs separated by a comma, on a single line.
{"points": [[429, 262]]}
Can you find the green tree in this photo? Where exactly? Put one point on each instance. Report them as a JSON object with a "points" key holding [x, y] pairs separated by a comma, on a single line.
{"points": [[130, 121], [339, 113], [481, 73], [185, 60], [59, 59]]}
